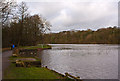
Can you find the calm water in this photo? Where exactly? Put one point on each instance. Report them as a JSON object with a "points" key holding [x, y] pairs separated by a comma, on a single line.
{"points": [[89, 61]]}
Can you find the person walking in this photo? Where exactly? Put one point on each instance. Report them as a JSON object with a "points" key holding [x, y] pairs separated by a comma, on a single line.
{"points": [[12, 46]]}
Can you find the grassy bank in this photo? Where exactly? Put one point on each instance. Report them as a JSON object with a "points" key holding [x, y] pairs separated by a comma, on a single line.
{"points": [[14, 72], [44, 46], [36, 47]]}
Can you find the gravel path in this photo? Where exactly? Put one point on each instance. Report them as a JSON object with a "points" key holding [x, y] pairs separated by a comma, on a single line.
{"points": [[0, 66], [5, 60]]}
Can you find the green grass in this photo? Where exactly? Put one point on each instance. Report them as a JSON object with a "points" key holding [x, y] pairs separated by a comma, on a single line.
{"points": [[29, 73], [13, 72], [35, 47]]}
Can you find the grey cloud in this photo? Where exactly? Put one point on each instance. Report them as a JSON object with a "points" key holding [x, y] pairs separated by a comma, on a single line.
{"points": [[73, 15], [68, 0]]}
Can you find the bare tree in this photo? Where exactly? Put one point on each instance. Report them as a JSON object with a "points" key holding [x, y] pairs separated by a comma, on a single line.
{"points": [[6, 8], [25, 29], [44, 27], [22, 13], [34, 28]]}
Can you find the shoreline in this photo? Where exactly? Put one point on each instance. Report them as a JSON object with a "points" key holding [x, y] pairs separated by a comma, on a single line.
{"points": [[11, 71]]}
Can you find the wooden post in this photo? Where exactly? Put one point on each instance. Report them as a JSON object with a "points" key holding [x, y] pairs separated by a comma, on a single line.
{"points": [[76, 78]]}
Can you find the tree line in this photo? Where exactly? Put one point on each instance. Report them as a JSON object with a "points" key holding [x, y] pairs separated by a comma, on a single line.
{"points": [[22, 29], [19, 27], [110, 35]]}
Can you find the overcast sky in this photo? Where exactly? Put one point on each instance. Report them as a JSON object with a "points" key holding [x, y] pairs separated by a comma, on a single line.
{"points": [[76, 14]]}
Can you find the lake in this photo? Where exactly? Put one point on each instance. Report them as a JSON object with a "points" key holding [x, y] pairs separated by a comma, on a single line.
{"points": [[88, 61]]}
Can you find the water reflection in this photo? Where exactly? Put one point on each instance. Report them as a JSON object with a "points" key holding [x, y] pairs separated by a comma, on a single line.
{"points": [[89, 61]]}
